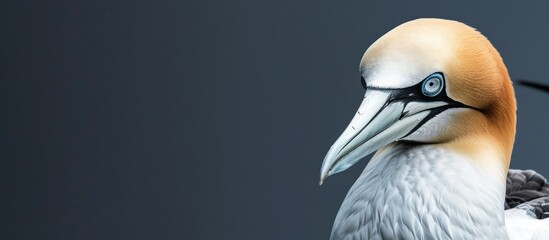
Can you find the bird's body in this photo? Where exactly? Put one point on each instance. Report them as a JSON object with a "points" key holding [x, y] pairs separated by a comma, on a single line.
{"points": [[422, 192], [439, 109]]}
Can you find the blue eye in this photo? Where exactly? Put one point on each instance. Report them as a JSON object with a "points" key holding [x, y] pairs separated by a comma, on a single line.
{"points": [[433, 85]]}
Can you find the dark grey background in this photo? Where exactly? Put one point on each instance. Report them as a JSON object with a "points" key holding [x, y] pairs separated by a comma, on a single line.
{"points": [[207, 119]]}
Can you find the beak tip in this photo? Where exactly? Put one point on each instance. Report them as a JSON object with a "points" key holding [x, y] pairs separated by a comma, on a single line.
{"points": [[323, 177], [324, 172], [321, 180]]}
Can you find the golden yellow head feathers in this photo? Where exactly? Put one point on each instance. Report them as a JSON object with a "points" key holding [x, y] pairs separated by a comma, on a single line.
{"points": [[472, 109], [474, 71]]}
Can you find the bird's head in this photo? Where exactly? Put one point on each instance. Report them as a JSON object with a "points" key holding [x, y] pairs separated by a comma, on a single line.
{"points": [[428, 81]]}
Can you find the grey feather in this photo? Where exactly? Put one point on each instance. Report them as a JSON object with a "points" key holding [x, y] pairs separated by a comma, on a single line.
{"points": [[527, 190]]}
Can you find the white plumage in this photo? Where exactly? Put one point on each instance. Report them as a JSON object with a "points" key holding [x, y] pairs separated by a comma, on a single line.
{"points": [[410, 192]]}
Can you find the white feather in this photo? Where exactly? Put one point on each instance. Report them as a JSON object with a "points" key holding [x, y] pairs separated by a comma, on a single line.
{"points": [[422, 192], [521, 225]]}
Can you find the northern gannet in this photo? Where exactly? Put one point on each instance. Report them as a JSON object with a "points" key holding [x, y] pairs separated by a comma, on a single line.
{"points": [[439, 108]]}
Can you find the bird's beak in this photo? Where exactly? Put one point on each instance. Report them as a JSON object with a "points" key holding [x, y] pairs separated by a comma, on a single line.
{"points": [[380, 120]]}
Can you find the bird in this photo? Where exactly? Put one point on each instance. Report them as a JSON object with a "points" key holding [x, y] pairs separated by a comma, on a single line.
{"points": [[439, 111]]}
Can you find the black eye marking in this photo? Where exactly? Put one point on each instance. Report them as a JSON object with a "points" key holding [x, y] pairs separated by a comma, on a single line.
{"points": [[431, 88], [363, 82]]}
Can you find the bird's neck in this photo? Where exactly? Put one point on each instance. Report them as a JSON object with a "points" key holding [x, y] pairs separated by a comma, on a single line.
{"points": [[412, 191]]}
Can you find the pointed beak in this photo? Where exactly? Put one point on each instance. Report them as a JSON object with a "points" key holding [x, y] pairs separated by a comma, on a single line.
{"points": [[379, 121]]}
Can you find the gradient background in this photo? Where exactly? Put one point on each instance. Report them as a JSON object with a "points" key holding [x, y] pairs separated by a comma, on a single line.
{"points": [[208, 119]]}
